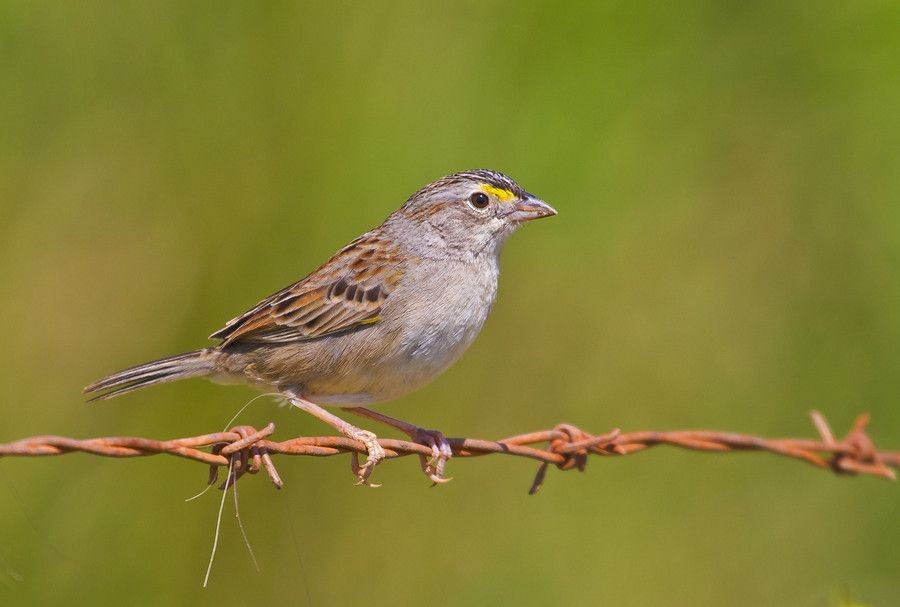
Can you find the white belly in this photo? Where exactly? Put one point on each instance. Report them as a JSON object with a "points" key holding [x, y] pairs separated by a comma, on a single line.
{"points": [[441, 320]]}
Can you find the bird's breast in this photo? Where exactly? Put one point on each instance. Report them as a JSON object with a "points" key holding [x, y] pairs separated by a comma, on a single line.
{"points": [[429, 321], [445, 311]]}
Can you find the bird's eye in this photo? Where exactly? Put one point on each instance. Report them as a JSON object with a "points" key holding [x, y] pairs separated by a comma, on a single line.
{"points": [[479, 200]]}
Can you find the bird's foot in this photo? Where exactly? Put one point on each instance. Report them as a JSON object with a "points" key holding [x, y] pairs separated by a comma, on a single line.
{"points": [[440, 453], [375, 453]]}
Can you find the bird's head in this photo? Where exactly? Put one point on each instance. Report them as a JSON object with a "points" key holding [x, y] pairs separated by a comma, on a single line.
{"points": [[470, 213]]}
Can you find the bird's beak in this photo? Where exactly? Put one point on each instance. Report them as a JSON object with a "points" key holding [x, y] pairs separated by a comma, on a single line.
{"points": [[528, 208]]}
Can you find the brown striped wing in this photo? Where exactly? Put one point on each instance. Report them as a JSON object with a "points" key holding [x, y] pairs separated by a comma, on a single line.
{"points": [[346, 292]]}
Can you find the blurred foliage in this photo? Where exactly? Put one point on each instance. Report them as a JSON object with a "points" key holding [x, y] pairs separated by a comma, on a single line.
{"points": [[726, 256]]}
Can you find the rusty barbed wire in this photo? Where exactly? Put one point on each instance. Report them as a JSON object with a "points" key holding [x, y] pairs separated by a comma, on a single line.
{"points": [[247, 450]]}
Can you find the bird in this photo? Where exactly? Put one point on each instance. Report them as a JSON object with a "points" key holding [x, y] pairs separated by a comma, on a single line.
{"points": [[382, 317]]}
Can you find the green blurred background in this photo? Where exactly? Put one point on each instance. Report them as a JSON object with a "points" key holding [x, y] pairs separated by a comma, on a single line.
{"points": [[725, 256]]}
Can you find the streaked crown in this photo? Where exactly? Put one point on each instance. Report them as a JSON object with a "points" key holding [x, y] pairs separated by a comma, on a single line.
{"points": [[493, 182]]}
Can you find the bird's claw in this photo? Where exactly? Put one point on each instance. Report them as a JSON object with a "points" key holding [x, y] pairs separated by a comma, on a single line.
{"points": [[440, 453], [375, 453]]}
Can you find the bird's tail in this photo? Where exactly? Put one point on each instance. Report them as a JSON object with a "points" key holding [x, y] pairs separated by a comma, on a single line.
{"points": [[198, 363]]}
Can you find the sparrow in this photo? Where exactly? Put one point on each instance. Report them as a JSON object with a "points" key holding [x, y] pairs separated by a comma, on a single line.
{"points": [[384, 316]]}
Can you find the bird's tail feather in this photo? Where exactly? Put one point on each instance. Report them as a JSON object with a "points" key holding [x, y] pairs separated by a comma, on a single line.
{"points": [[181, 366]]}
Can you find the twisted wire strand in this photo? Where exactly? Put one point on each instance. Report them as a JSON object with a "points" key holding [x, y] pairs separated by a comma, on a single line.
{"points": [[247, 449]]}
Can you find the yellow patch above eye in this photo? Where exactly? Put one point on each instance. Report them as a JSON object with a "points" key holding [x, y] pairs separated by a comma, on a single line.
{"points": [[501, 193]]}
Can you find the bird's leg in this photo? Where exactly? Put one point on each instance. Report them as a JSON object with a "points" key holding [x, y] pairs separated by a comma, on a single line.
{"points": [[440, 448], [373, 448]]}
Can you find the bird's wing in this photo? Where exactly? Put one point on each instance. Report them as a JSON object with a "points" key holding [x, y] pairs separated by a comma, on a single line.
{"points": [[346, 292]]}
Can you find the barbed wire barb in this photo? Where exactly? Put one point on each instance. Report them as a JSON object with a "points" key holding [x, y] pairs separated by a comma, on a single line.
{"points": [[245, 449]]}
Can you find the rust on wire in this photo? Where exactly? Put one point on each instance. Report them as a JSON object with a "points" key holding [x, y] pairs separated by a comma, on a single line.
{"points": [[246, 449]]}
